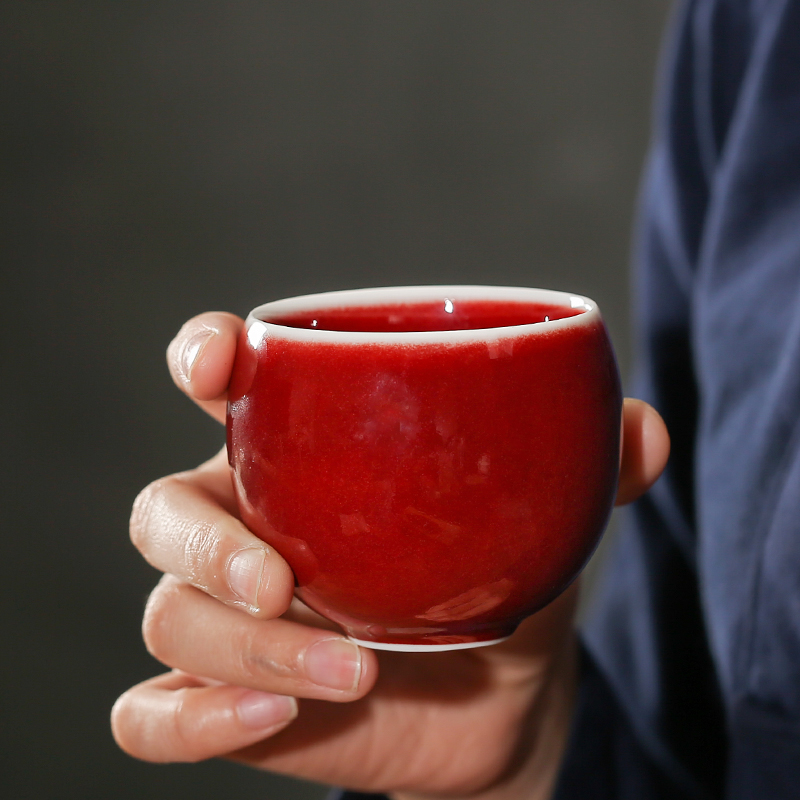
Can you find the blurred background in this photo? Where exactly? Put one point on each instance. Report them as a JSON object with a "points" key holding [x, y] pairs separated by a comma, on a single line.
{"points": [[165, 158]]}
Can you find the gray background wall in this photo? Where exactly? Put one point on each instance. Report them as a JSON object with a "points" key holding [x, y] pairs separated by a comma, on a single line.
{"points": [[164, 158]]}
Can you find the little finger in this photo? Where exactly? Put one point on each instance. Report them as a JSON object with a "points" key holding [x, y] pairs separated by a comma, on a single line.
{"points": [[176, 718]]}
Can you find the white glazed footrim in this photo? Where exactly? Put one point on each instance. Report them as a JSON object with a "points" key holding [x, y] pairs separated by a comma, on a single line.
{"points": [[424, 648], [258, 324]]}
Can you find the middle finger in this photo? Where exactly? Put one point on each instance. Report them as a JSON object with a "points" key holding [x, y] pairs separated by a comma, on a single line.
{"points": [[185, 629]]}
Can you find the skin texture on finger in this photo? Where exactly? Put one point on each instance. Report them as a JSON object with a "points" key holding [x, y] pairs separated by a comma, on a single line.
{"points": [[645, 450], [183, 525], [176, 717], [185, 629], [201, 356]]}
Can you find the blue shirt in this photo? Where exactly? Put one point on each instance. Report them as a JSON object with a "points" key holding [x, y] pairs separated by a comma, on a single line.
{"points": [[691, 675]]}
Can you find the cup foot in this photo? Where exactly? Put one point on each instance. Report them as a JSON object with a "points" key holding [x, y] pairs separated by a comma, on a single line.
{"points": [[424, 648]]}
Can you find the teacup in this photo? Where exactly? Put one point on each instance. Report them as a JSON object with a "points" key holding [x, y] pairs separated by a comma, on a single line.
{"points": [[435, 463]]}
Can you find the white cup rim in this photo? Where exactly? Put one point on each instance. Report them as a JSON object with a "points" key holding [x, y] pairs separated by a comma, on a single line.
{"points": [[258, 324]]}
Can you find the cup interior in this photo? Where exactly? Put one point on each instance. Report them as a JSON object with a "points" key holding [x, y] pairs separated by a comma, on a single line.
{"points": [[419, 311]]}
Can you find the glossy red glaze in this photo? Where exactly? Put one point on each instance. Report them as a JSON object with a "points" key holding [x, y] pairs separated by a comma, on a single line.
{"points": [[428, 492]]}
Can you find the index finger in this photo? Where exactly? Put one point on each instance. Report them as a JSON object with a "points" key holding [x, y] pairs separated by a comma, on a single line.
{"points": [[201, 356]]}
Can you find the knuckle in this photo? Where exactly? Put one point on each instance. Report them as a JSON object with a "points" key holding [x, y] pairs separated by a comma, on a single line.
{"points": [[249, 661], [201, 547], [157, 620], [120, 725], [183, 730], [256, 660], [142, 513], [165, 531]]}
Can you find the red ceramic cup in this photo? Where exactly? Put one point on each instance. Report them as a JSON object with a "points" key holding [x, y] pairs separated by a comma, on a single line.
{"points": [[435, 463]]}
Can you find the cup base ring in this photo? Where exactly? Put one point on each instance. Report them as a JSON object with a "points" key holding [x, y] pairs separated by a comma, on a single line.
{"points": [[424, 648]]}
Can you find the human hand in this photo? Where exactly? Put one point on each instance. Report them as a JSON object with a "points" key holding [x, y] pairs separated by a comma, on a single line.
{"points": [[489, 723]]}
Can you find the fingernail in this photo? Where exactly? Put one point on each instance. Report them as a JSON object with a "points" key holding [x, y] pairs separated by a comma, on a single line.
{"points": [[245, 571], [260, 710], [335, 663], [191, 350]]}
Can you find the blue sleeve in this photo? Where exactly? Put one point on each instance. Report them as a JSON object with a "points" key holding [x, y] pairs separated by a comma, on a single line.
{"points": [[698, 628]]}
